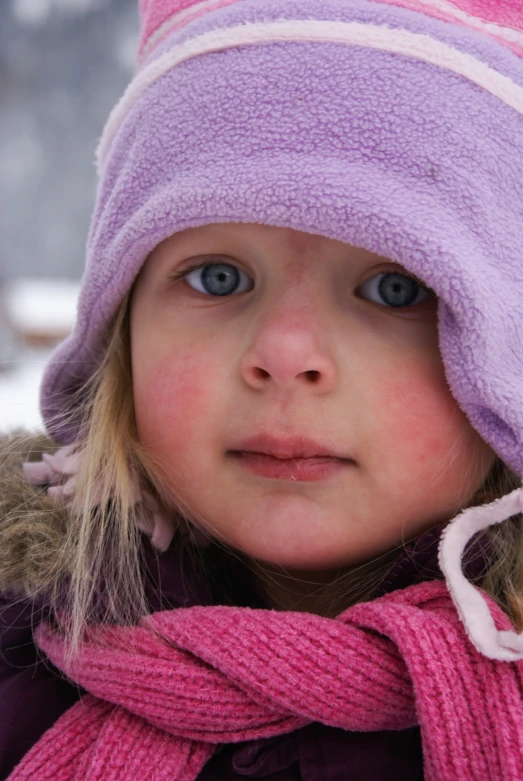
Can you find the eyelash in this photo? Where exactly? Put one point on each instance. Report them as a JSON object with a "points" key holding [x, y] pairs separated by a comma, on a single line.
{"points": [[181, 274], [184, 272]]}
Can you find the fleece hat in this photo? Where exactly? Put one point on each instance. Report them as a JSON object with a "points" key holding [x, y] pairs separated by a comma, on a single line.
{"points": [[392, 125]]}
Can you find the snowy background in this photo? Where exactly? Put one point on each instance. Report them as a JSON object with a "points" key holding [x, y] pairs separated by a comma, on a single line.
{"points": [[63, 65]]}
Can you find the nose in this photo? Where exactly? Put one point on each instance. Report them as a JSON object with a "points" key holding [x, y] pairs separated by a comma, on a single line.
{"points": [[289, 350]]}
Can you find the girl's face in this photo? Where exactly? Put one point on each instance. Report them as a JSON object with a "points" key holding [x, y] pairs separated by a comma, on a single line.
{"points": [[291, 391]]}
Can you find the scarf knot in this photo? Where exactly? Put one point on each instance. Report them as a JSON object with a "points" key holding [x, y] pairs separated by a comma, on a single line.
{"points": [[163, 694]]}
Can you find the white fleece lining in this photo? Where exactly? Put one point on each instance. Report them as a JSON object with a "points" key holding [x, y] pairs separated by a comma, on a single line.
{"points": [[472, 608], [181, 18], [403, 42]]}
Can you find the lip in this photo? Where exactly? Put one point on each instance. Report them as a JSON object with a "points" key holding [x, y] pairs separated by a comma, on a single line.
{"points": [[292, 458], [288, 447]]}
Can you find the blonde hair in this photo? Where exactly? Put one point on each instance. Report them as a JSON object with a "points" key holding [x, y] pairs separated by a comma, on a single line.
{"points": [[104, 543]]}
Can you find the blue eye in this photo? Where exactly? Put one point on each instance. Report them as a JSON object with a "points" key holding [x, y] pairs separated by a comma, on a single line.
{"points": [[218, 279], [395, 290]]}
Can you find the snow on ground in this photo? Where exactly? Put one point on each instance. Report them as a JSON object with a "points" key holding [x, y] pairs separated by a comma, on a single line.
{"points": [[46, 306], [34, 308], [19, 389]]}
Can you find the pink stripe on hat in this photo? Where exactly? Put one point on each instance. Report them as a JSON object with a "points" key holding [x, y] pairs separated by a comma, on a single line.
{"points": [[501, 19], [509, 12], [159, 19]]}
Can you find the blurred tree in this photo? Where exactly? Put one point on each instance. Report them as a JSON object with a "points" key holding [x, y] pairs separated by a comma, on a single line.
{"points": [[63, 65]]}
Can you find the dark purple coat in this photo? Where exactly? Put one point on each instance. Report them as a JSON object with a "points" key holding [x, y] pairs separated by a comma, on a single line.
{"points": [[33, 695]]}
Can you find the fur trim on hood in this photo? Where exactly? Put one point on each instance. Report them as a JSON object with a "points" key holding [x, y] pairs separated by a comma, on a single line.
{"points": [[33, 527]]}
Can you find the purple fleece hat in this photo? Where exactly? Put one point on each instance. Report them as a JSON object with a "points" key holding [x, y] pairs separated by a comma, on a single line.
{"points": [[393, 126]]}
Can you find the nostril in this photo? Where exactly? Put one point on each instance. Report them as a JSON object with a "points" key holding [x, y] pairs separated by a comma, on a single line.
{"points": [[312, 375], [260, 374]]}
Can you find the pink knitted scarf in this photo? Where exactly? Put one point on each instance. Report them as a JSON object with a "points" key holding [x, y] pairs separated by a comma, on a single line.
{"points": [[163, 694]]}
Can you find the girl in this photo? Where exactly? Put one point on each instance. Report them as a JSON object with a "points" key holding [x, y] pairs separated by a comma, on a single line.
{"points": [[291, 401]]}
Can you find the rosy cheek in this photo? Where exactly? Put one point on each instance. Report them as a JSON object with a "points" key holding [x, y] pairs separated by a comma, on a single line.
{"points": [[423, 428], [171, 394]]}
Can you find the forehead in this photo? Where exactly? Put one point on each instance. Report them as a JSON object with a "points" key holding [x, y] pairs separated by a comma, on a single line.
{"points": [[298, 242], [295, 250], [288, 242]]}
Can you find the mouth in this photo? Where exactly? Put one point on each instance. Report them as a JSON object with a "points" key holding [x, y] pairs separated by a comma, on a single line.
{"points": [[295, 458]]}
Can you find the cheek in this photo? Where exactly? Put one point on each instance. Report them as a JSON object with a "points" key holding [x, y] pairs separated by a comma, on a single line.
{"points": [[419, 414], [425, 438], [171, 395]]}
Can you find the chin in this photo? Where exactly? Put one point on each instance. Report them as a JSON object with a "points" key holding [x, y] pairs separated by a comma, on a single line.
{"points": [[307, 555], [293, 532]]}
